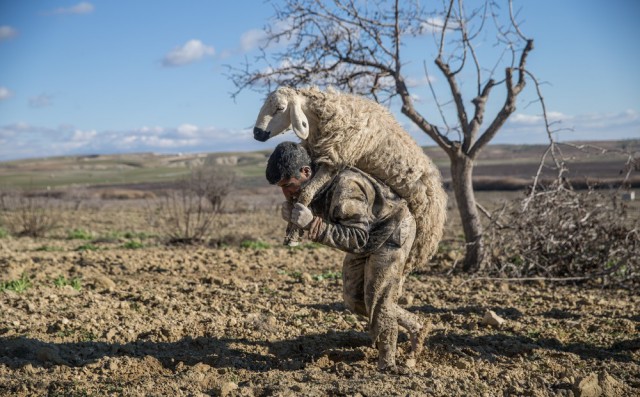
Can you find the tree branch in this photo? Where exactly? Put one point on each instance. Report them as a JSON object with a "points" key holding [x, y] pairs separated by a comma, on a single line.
{"points": [[457, 96], [429, 129], [510, 103]]}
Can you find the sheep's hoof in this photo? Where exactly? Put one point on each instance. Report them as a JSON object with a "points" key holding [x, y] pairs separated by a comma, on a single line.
{"points": [[293, 236]]}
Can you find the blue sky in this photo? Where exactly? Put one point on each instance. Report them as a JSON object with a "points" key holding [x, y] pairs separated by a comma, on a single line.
{"points": [[111, 76]]}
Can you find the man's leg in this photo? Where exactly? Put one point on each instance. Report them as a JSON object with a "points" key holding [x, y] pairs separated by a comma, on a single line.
{"points": [[383, 273], [353, 283], [409, 321], [384, 279]]}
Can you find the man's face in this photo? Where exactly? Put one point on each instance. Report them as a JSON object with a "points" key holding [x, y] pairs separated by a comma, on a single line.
{"points": [[291, 186]]}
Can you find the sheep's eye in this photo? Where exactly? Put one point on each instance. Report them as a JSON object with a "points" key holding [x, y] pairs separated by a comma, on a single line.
{"points": [[279, 109]]}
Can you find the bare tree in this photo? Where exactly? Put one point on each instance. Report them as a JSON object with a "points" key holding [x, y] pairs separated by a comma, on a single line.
{"points": [[359, 47]]}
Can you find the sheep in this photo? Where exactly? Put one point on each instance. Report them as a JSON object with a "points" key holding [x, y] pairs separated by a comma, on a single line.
{"points": [[343, 130]]}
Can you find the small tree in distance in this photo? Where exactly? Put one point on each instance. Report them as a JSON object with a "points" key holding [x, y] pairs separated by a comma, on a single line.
{"points": [[212, 183], [187, 214], [360, 48], [29, 214]]}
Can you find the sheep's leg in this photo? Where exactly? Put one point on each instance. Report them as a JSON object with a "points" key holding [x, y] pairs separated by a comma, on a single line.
{"points": [[322, 177]]}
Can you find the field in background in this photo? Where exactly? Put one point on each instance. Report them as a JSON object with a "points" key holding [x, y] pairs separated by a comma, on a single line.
{"points": [[500, 167]]}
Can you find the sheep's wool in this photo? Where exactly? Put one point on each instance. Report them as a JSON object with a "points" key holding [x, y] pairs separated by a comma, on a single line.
{"points": [[350, 130]]}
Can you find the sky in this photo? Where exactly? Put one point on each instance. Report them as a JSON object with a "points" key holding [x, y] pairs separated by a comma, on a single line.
{"points": [[115, 76]]}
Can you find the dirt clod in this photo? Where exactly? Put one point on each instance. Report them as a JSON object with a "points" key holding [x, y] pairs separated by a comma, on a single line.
{"points": [[492, 319], [598, 384], [101, 281]]}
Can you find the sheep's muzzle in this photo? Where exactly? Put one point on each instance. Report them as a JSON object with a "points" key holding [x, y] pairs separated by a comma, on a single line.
{"points": [[260, 135]]}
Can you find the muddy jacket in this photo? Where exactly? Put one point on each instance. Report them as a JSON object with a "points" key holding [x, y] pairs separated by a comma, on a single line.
{"points": [[356, 213]]}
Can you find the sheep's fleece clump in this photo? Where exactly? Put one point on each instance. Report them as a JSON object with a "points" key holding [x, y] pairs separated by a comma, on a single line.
{"points": [[342, 130]]}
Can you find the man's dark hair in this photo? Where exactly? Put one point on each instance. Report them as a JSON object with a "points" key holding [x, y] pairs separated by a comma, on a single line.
{"points": [[286, 161]]}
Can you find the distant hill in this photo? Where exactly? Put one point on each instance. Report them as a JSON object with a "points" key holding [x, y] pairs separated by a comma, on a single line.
{"points": [[498, 167], [506, 167], [119, 169]]}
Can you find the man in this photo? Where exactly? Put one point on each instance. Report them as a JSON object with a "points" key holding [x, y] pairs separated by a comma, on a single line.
{"points": [[361, 216]]}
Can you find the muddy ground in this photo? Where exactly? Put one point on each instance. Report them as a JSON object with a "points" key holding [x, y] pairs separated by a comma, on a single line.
{"points": [[108, 317]]}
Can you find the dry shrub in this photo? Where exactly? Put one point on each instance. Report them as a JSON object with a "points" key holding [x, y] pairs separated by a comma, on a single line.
{"points": [[231, 240], [212, 183], [562, 233], [186, 214], [32, 215], [182, 217]]}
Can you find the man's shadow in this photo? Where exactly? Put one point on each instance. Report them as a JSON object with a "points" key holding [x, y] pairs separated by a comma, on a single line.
{"points": [[290, 354], [293, 354], [218, 352]]}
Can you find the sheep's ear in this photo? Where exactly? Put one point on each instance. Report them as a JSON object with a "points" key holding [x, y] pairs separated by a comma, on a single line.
{"points": [[299, 121]]}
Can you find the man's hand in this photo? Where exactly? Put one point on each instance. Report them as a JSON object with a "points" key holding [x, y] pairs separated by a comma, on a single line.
{"points": [[285, 210], [301, 216]]}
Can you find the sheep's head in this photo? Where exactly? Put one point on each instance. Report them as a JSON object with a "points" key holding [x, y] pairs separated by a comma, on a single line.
{"points": [[281, 110]]}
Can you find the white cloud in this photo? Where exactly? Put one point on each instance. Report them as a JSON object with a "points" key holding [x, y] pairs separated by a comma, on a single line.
{"points": [[83, 136], [41, 101], [421, 81], [5, 93], [252, 39], [525, 119], [23, 140], [225, 54], [150, 130], [531, 119], [189, 52], [436, 24], [7, 32], [187, 130], [526, 128], [557, 116], [78, 9]]}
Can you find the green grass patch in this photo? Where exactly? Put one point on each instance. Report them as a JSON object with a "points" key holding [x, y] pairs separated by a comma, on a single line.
{"points": [[19, 285], [254, 244], [328, 275], [133, 245], [79, 234], [295, 274], [3, 233], [138, 235], [87, 336], [87, 247], [62, 281]]}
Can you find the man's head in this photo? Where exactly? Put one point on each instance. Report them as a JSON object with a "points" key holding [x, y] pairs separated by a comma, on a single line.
{"points": [[289, 167]]}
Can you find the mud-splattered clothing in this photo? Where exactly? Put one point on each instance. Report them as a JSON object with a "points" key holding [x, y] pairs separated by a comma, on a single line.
{"points": [[356, 213], [363, 217]]}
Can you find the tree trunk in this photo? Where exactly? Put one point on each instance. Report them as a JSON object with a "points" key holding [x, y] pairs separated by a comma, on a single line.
{"points": [[462, 181]]}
